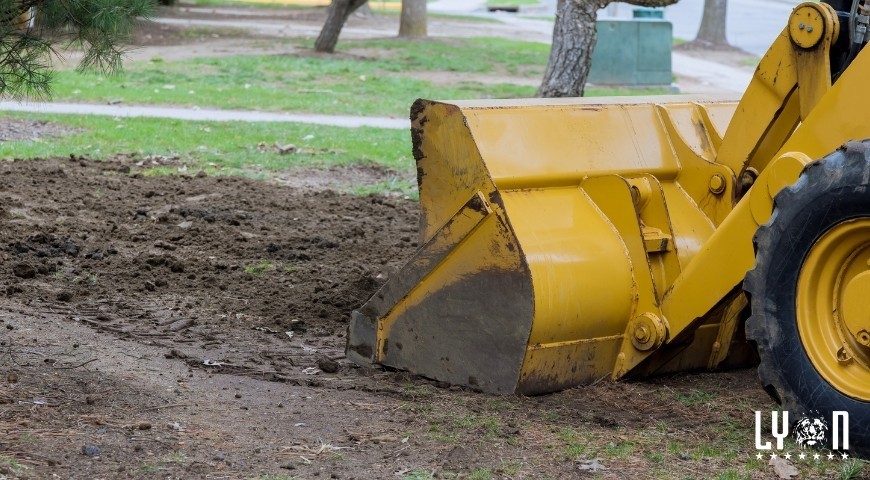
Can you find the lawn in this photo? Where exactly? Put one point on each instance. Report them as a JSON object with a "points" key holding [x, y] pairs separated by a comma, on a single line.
{"points": [[373, 83], [371, 77], [218, 147]]}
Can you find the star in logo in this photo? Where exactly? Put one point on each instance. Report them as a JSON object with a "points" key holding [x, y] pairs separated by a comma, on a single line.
{"points": [[830, 456], [772, 456], [802, 456], [787, 456], [844, 455], [759, 456], [816, 456]]}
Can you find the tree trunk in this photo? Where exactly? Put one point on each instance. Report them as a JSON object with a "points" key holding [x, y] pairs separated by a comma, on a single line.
{"points": [[574, 37], [413, 20], [339, 10], [712, 33]]}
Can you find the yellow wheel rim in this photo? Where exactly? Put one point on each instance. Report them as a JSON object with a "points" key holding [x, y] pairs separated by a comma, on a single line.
{"points": [[833, 307]]}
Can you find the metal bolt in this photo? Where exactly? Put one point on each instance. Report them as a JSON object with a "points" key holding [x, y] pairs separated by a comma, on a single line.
{"points": [[717, 184], [641, 333], [810, 29], [864, 338], [801, 26]]}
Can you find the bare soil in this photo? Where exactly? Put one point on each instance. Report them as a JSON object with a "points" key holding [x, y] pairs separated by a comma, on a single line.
{"points": [[193, 327], [15, 129]]}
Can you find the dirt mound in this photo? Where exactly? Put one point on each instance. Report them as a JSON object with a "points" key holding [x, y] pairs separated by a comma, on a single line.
{"points": [[189, 256]]}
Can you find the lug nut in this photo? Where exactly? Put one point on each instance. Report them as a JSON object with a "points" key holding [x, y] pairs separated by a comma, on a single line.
{"points": [[801, 26], [641, 334]]}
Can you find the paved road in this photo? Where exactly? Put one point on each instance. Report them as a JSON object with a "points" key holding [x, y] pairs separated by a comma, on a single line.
{"points": [[752, 24]]}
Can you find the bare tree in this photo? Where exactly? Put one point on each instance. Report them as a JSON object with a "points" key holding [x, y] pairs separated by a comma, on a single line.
{"points": [[712, 33], [574, 38], [413, 20], [339, 11]]}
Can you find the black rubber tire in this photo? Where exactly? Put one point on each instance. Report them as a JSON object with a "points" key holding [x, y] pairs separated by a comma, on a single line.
{"points": [[830, 191]]}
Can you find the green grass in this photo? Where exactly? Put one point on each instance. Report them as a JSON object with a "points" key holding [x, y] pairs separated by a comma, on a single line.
{"points": [[574, 447], [851, 469], [227, 147], [480, 474], [695, 397], [10, 462], [418, 475], [258, 269], [371, 84]]}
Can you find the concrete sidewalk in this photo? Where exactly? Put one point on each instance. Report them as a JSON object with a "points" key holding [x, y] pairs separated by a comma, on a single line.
{"points": [[205, 115]]}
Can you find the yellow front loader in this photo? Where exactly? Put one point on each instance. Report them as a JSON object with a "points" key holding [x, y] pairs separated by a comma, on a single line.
{"points": [[564, 241]]}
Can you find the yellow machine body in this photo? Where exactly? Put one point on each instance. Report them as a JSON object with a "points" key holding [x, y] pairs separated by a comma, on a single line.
{"points": [[564, 241]]}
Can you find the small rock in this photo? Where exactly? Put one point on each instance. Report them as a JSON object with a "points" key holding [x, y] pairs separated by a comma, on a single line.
{"points": [[23, 270], [164, 245], [64, 296], [12, 377], [91, 450], [593, 465], [328, 365], [238, 395], [71, 249], [150, 286], [143, 426]]}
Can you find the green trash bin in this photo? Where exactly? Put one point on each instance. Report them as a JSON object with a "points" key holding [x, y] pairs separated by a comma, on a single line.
{"points": [[649, 12], [632, 52]]}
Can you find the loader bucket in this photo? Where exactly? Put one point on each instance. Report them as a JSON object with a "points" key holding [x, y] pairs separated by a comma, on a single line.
{"points": [[534, 249]]}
